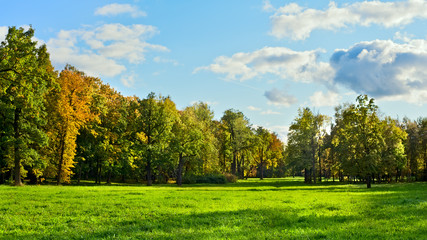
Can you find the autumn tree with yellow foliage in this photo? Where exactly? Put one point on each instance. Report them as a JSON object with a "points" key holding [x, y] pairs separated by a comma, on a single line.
{"points": [[71, 111]]}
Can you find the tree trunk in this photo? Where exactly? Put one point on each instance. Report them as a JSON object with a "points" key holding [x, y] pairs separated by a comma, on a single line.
{"points": [[262, 165], [80, 173], [305, 175], [2, 178], [239, 169], [225, 163], [97, 177], [17, 157], [123, 178], [179, 174], [99, 173], [242, 168], [313, 156], [368, 181], [425, 165], [233, 164], [148, 169], [397, 174], [409, 171], [319, 153], [61, 159], [123, 173], [109, 173]]}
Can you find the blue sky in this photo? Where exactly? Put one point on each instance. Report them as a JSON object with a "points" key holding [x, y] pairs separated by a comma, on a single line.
{"points": [[264, 58]]}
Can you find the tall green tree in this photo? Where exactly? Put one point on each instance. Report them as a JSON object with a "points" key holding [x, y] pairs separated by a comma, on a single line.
{"points": [[209, 158], [103, 142], [188, 139], [25, 76], [239, 131], [152, 126], [303, 143], [415, 148], [393, 157], [422, 123], [263, 145], [360, 139]]}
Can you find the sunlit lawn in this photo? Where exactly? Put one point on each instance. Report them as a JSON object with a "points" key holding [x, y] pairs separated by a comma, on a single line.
{"points": [[249, 209]]}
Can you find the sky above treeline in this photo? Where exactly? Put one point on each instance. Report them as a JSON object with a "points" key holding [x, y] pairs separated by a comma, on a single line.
{"points": [[264, 58]]}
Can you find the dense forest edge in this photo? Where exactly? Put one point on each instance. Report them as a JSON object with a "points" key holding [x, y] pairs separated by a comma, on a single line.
{"points": [[64, 126]]}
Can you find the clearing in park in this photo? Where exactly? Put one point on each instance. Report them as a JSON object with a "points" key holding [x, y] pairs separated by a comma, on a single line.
{"points": [[249, 209]]}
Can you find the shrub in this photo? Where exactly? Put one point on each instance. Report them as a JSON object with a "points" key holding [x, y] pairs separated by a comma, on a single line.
{"points": [[189, 179], [231, 178], [213, 178], [210, 178]]}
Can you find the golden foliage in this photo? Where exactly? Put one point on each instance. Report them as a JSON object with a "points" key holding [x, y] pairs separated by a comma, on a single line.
{"points": [[72, 111]]}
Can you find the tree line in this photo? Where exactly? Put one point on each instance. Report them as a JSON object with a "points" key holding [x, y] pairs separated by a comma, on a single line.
{"points": [[360, 145], [67, 125]]}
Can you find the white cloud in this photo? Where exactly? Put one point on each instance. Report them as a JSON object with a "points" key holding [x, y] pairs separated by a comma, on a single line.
{"points": [[266, 112], [252, 108], [212, 103], [128, 80], [405, 37], [270, 112], [288, 64], [209, 103], [91, 63], [116, 9], [3, 33], [320, 99], [295, 22], [267, 7], [416, 96], [165, 60], [280, 98], [96, 50], [384, 69]]}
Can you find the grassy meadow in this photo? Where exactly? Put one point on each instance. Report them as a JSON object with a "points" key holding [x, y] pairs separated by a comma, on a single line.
{"points": [[249, 209]]}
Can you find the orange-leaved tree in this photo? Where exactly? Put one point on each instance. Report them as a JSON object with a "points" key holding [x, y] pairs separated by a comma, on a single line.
{"points": [[71, 111]]}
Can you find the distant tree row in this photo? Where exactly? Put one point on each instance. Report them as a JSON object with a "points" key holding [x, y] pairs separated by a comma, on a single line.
{"points": [[67, 125], [70, 125], [360, 146]]}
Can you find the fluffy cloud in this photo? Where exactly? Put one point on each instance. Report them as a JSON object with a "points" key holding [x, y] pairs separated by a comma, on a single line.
{"points": [[266, 112], [288, 64], [116, 9], [96, 50], [165, 60], [280, 98], [295, 22], [3, 32], [320, 99], [252, 108], [267, 7], [270, 112], [209, 103], [384, 69], [128, 80]]}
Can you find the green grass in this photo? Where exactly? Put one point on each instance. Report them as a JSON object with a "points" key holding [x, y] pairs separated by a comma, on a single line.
{"points": [[249, 209]]}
